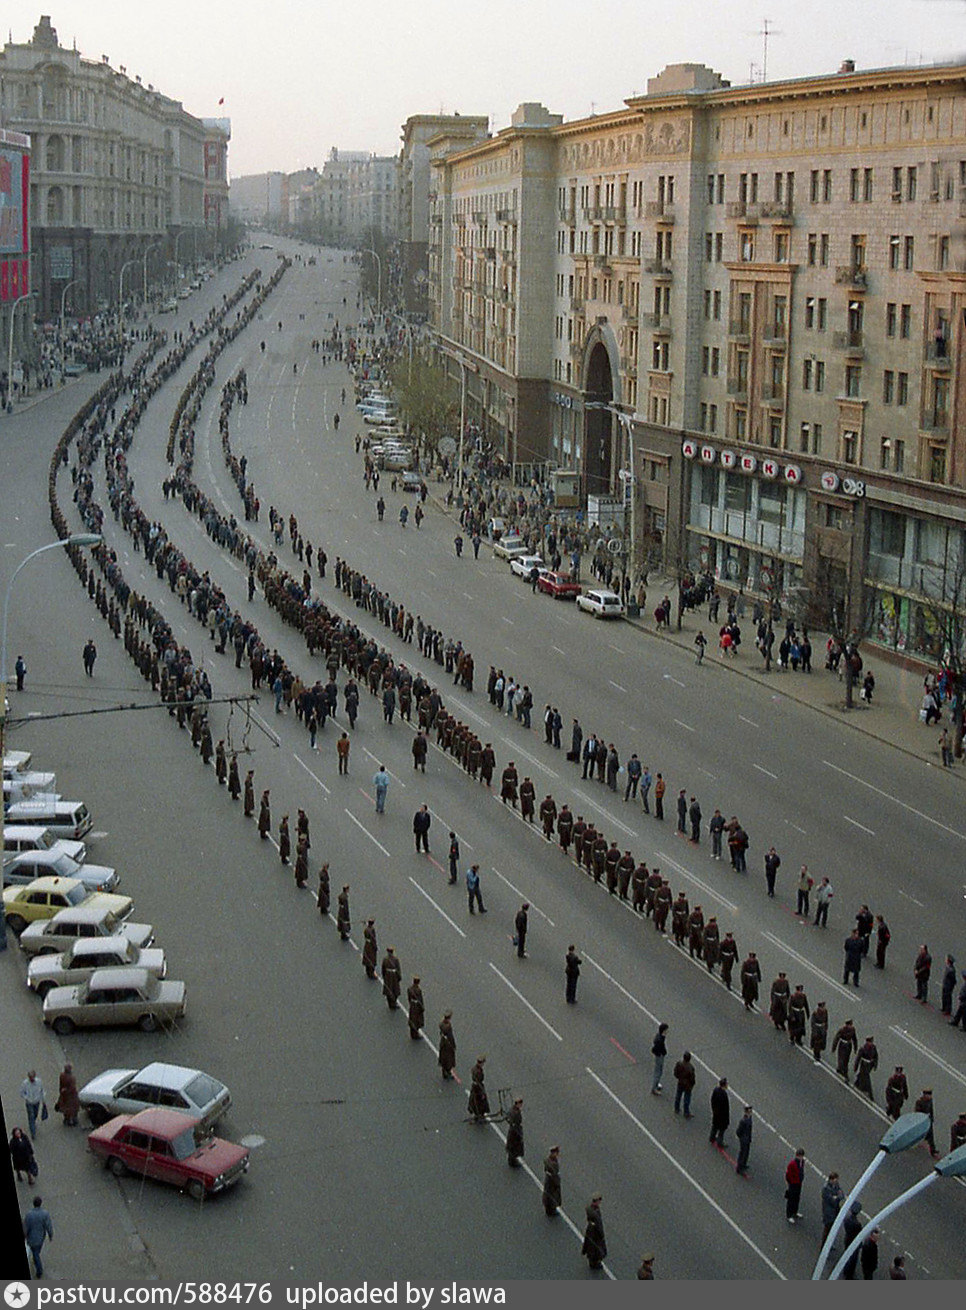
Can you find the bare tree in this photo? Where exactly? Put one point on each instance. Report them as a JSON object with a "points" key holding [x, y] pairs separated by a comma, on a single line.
{"points": [[428, 399]]}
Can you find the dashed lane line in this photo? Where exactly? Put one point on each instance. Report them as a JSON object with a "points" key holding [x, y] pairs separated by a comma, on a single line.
{"points": [[313, 776], [523, 896], [954, 832], [520, 996], [829, 981], [438, 908], [364, 829]]}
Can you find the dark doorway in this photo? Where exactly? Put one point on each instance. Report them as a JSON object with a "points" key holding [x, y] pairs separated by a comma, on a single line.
{"points": [[598, 424]]}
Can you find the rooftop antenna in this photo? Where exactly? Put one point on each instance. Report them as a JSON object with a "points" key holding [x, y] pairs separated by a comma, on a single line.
{"points": [[766, 31]]}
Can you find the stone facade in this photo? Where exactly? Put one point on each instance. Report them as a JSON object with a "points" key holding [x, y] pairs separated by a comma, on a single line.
{"points": [[753, 297], [117, 168]]}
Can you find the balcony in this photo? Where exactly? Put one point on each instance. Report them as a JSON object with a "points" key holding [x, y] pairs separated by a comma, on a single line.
{"points": [[615, 214], [490, 253], [777, 210], [594, 214], [629, 366], [851, 275], [739, 329], [507, 216], [602, 262], [937, 357], [568, 215], [745, 210], [936, 422], [659, 210], [576, 305], [576, 349], [657, 268], [773, 393], [479, 216], [850, 342], [629, 313], [774, 336], [657, 323], [738, 388]]}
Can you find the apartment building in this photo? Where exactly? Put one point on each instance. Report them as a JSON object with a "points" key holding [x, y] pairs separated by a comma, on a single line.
{"points": [[744, 308], [117, 167]]}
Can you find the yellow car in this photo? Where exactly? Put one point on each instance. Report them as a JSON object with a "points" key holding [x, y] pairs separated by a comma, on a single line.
{"points": [[42, 898]]}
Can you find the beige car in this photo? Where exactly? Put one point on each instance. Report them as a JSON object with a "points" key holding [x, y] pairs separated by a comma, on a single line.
{"points": [[85, 956], [51, 936], [115, 998]]}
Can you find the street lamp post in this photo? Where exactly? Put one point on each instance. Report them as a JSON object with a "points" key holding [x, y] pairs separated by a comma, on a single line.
{"points": [[156, 245], [63, 303], [369, 251], [186, 232], [13, 310], [120, 283], [626, 422]]}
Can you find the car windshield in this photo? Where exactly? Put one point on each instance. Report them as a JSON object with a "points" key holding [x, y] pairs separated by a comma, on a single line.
{"points": [[64, 866], [76, 895], [203, 1089], [184, 1144]]}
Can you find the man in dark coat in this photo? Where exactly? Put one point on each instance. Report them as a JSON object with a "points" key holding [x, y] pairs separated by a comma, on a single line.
{"points": [[896, 1092], [421, 822], [284, 840], [844, 1043], [521, 923], [854, 954], [750, 980], [370, 949], [552, 1194], [744, 1132], [391, 978], [479, 1103], [921, 971], [508, 785], [728, 954], [866, 1061], [565, 828], [720, 1112], [343, 922], [447, 1045], [818, 1037], [417, 1009], [234, 782], [595, 1244], [221, 763], [249, 793], [514, 1133], [323, 898], [572, 967]]}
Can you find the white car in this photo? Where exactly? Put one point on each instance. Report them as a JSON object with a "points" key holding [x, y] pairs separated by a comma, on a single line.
{"points": [[508, 547], [602, 604], [522, 564], [22, 837], [168, 306], [127, 1091], [28, 865], [52, 936], [84, 955]]}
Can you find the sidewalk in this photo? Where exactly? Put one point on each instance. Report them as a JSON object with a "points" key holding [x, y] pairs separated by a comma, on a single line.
{"points": [[37, 397]]}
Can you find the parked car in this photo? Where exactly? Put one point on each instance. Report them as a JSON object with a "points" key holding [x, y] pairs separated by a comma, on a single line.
{"points": [[85, 955], [51, 936], [602, 604], [509, 545], [115, 998], [171, 1086], [42, 898], [558, 585], [68, 819], [26, 837], [169, 1147], [411, 482], [28, 866], [24, 786], [520, 565], [15, 762]]}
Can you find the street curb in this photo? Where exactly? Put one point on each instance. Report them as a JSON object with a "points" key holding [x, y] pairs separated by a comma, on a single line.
{"points": [[47, 393]]}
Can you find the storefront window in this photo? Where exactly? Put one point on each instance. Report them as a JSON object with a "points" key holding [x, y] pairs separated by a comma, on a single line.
{"points": [[737, 493]]}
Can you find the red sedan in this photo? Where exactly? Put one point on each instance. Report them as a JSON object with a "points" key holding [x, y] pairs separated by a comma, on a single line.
{"points": [[171, 1147], [558, 585]]}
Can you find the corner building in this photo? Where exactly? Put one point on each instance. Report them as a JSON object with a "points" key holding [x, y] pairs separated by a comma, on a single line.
{"points": [[744, 308]]}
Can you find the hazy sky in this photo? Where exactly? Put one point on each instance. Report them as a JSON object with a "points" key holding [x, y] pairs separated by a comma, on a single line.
{"points": [[301, 76]]}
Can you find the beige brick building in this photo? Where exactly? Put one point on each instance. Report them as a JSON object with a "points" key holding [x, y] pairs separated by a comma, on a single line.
{"points": [[756, 296]]}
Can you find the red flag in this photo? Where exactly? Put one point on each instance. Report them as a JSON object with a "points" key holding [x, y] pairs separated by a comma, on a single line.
{"points": [[222, 100]]}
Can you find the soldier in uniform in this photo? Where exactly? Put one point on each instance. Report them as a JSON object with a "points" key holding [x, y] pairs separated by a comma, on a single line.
{"points": [[595, 1244], [654, 881], [221, 763], [778, 1002], [548, 816], [579, 829], [391, 978], [528, 796], [750, 980], [924, 1105], [565, 828], [896, 1092], [370, 949], [508, 784], [284, 840], [302, 828], [572, 965], [417, 1009], [625, 871], [679, 919], [662, 905], [612, 858], [447, 1045], [728, 954], [639, 887], [712, 943], [322, 900], [479, 1103], [798, 1012], [598, 856], [343, 922], [957, 1133], [264, 816], [514, 1133], [866, 1061], [552, 1195], [234, 782], [249, 793], [844, 1043], [587, 848], [818, 1036], [487, 764], [695, 931], [206, 746], [302, 862]]}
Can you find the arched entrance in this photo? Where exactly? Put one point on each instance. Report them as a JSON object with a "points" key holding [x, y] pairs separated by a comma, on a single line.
{"points": [[598, 423]]}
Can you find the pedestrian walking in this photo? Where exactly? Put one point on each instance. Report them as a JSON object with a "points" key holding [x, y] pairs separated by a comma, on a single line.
{"points": [[32, 1092], [514, 1134], [844, 1043], [833, 1198], [772, 865], [421, 823], [454, 857], [818, 1035], [869, 1250], [823, 899], [22, 1156], [342, 748], [685, 1078], [595, 1244], [521, 923], [866, 1062], [660, 787], [743, 1132], [924, 1105], [473, 892], [68, 1100], [552, 1193], [343, 922], [572, 969], [896, 1092], [284, 840], [324, 894], [700, 643], [794, 1181], [37, 1228], [850, 1230], [854, 955], [805, 883], [89, 656], [417, 1008], [659, 1052], [221, 763], [20, 669], [447, 1045], [750, 980], [720, 1112], [380, 780], [234, 781]]}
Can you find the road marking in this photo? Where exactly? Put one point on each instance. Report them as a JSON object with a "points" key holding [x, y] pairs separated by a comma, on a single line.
{"points": [[506, 620], [311, 774], [684, 725], [789, 824], [911, 898], [668, 678], [558, 650], [889, 797], [436, 907], [525, 754], [855, 824], [367, 832], [812, 968], [606, 813], [467, 595], [376, 760], [623, 1051], [463, 840], [705, 886], [523, 896], [751, 723], [270, 732], [761, 769], [688, 1177], [617, 685], [536, 1013], [712, 776], [924, 1050]]}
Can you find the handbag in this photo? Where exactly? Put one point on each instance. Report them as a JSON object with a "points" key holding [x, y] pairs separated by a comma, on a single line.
{"points": [[45, 1113]]}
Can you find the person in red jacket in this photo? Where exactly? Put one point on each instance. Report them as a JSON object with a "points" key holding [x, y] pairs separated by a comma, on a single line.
{"points": [[794, 1179]]}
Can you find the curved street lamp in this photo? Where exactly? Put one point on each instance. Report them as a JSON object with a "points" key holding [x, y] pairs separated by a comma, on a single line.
{"points": [[13, 312]]}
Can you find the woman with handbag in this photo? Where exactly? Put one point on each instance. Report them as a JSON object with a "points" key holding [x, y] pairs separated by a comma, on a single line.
{"points": [[22, 1155]]}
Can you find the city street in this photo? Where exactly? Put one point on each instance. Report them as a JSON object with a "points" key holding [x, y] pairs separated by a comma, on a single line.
{"points": [[363, 1158]]}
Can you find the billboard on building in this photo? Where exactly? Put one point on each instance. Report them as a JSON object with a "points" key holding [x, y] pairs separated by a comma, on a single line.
{"points": [[14, 215]]}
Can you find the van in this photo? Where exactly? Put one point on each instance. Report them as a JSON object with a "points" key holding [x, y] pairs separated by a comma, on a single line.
{"points": [[68, 819], [25, 786], [27, 837], [15, 762]]}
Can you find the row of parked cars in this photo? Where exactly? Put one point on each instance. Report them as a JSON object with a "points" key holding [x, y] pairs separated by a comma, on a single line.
{"points": [[389, 446], [92, 965], [597, 601]]}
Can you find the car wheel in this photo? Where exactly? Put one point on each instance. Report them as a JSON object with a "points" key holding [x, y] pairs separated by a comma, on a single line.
{"points": [[48, 950], [195, 1189], [16, 924], [147, 1023], [63, 1026], [117, 1167], [97, 1115]]}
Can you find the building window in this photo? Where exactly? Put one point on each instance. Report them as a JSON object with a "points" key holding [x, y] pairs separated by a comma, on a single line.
{"points": [[741, 427], [833, 516], [850, 445], [902, 388], [775, 431], [746, 242], [937, 464], [885, 453], [712, 418], [805, 437], [816, 438], [708, 247], [822, 314], [891, 319], [908, 252], [812, 248], [781, 247], [820, 375], [813, 189], [826, 182], [912, 174], [809, 311], [853, 380], [942, 253], [718, 247], [717, 306], [823, 250], [808, 367], [894, 252], [854, 185], [897, 184], [715, 361], [707, 304], [905, 322], [866, 183], [899, 460], [888, 388]]}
